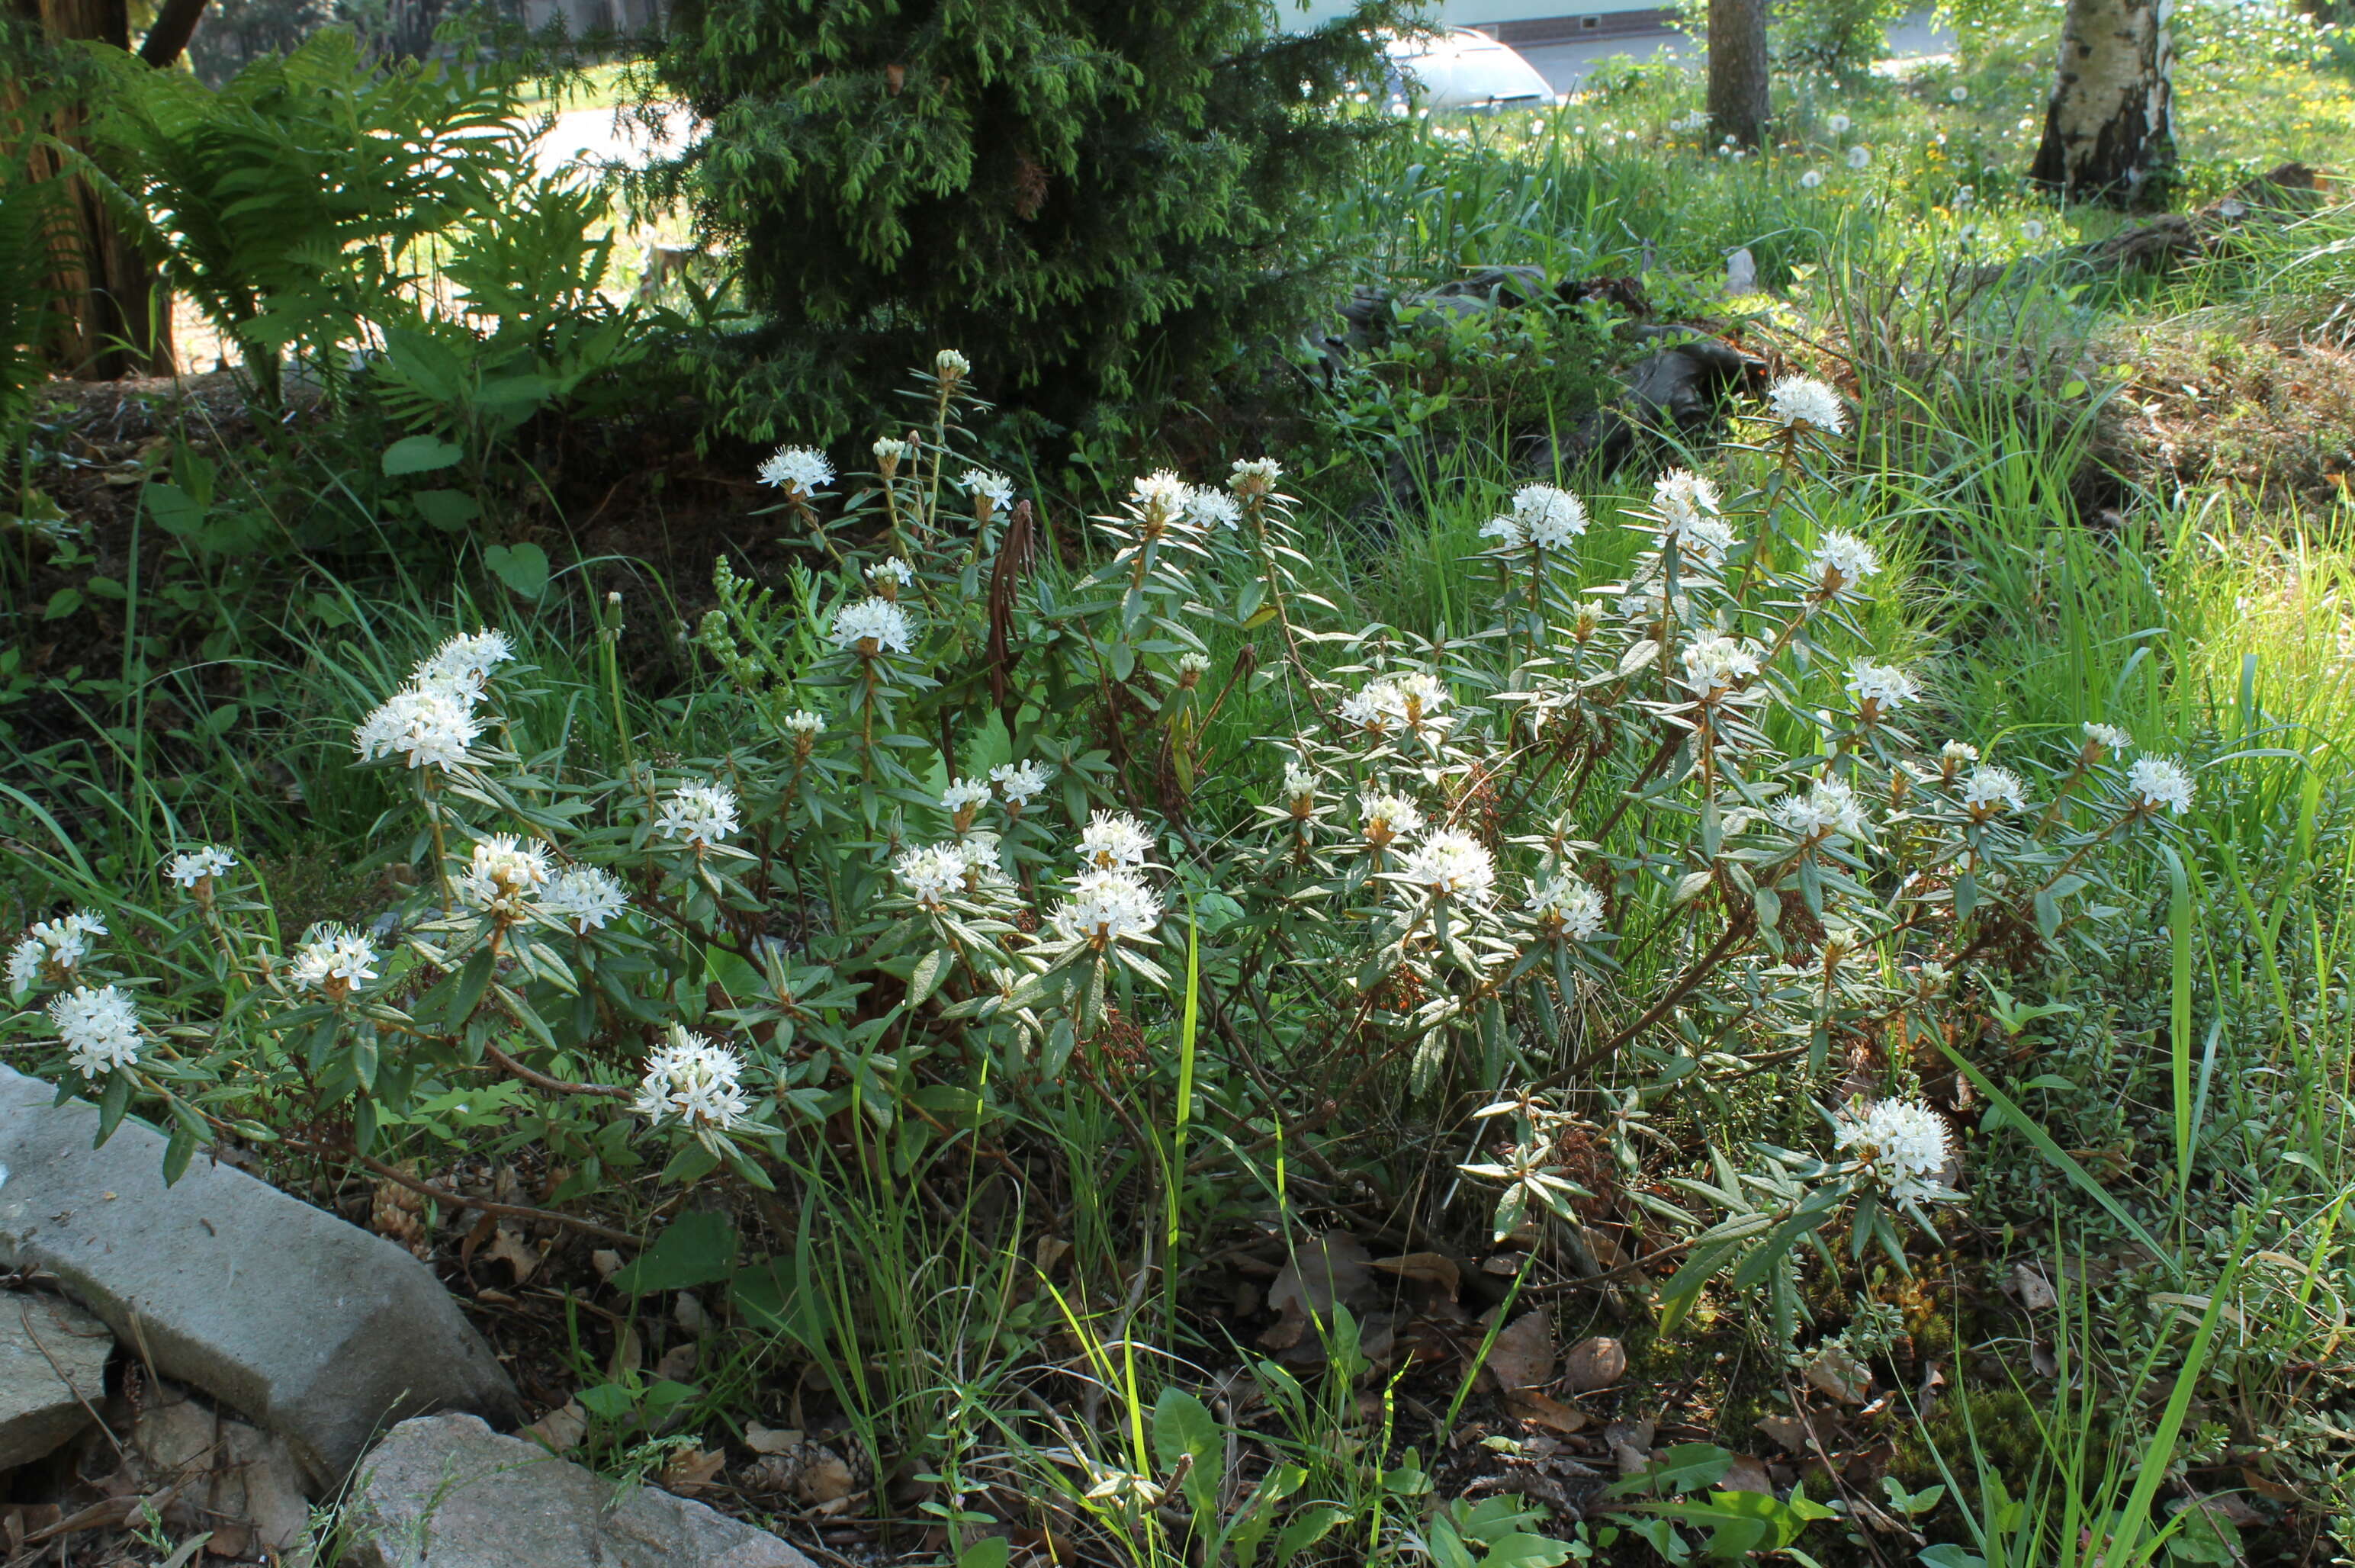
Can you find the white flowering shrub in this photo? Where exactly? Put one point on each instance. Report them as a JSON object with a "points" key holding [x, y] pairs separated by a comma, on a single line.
{"points": [[1589, 871]]}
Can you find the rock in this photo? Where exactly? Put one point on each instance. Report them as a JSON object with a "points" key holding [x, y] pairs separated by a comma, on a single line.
{"points": [[445, 1491], [321, 1332], [52, 1373], [1595, 1363], [241, 1483]]}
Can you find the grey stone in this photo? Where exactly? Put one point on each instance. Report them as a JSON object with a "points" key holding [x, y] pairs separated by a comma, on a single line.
{"points": [[321, 1332], [52, 1373], [445, 1491]]}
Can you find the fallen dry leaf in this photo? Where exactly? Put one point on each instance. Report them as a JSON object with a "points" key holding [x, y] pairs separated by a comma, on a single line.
{"points": [[1595, 1363], [690, 1470], [1523, 1354], [689, 1313], [509, 1247], [561, 1429], [1636, 1433], [1632, 1461], [771, 1439], [824, 1477], [604, 1260], [1325, 1270], [1528, 1404], [1425, 1268], [1047, 1251], [677, 1363], [1609, 1256], [1834, 1371], [1745, 1475], [1786, 1431], [2035, 1292]]}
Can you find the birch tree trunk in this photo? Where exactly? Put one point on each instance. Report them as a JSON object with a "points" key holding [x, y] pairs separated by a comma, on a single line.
{"points": [[1737, 70], [2109, 130]]}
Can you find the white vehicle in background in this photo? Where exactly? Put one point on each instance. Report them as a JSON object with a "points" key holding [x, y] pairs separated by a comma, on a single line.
{"points": [[1455, 68]]}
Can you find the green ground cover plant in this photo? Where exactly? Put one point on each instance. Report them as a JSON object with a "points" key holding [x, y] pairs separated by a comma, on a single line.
{"points": [[1168, 996]]}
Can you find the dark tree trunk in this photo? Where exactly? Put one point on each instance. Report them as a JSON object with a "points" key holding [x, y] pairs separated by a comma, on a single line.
{"points": [[1737, 70], [2109, 130], [176, 24], [119, 321]]}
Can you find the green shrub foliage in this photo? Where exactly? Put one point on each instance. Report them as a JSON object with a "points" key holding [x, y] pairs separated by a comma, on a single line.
{"points": [[1077, 193]]}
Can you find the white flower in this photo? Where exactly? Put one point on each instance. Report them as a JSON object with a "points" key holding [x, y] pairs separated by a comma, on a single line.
{"points": [[801, 721], [1374, 706], [951, 365], [431, 728], [1886, 685], [932, 874], [584, 898], [1017, 782], [1299, 784], [979, 851], [1989, 791], [501, 873], [872, 626], [190, 867], [1841, 562], [1451, 863], [693, 1082], [2159, 784], [1506, 531], [1111, 840], [891, 449], [1254, 475], [1838, 124], [1206, 508], [99, 1028], [1683, 499], [1859, 157], [461, 665], [1905, 1141], [1802, 401], [963, 795], [1811, 179], [1549, 519], [1955, 754], [1719, 664], [1389, 816], [1161, 495], [1829, 811], [1646, 602], [1565, 901], [801, 471], [2108, 736], [1421, 697], [699, 813], [995, 487], [337, 960], [1192, 665], [1107, 907], [893, 569], [1704, 541], [56, 946]]}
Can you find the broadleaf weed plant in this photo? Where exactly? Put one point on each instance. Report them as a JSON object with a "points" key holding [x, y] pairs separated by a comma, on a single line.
{"points": [[1588, 873]]}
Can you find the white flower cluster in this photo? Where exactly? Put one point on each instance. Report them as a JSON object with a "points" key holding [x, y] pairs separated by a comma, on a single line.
{"points": [[702, 814], [52, 949], [502, 875], [693, 1082], [336, 961], [1389, 816], [1802, 403], [99, 1028], [1715, 665], [1107, 907], [1829, 811], [1688, 509], [1840, 563], [190, 867], [1885, 686], [964, 797], [988, 486], [1111, 840], [932, 874], [801, 472], [1410, 701], [872, 626], [1905, 1143], [1254, 477], [1451, 863], [585, 897], [2159, 784], [1566, 902], [893, 570], [1020, 783], [430, 722], [2109, 737], [1990, 790]]}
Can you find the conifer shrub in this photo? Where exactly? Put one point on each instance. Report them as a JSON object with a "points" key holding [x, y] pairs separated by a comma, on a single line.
{"points": [[1084, 195]]}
